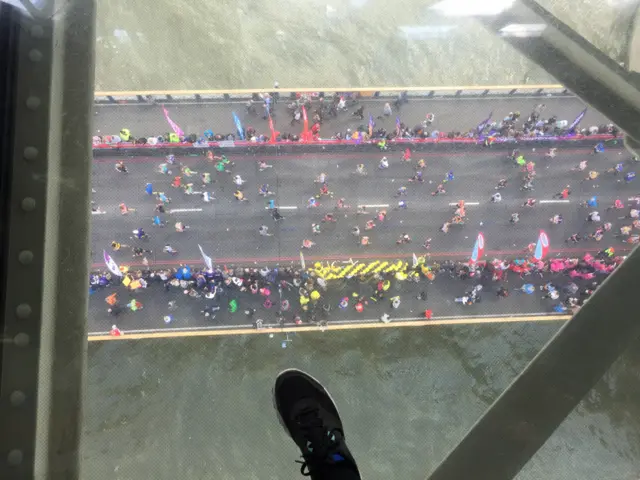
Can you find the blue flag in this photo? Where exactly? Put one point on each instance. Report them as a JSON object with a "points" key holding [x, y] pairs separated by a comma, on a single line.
{"points": [[578, 119], [398, 126], [371, 125], [484, 123], [238, 126]]}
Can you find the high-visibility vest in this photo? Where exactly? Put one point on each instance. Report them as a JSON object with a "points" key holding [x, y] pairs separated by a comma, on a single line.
{"points": [[125, 134], [173, 138]]}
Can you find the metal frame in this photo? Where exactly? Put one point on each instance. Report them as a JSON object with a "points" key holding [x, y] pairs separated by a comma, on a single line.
{"points": [[45, 294]]}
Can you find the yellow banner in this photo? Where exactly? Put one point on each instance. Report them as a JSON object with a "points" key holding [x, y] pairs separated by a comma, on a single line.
{"points": [[334, 271]]}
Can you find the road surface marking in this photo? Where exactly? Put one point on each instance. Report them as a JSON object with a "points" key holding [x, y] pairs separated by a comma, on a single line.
{"points": [[554, 201], [453, 204], [282, 208], [345, 325], [182, 210], [382, 205], [98, 213]]}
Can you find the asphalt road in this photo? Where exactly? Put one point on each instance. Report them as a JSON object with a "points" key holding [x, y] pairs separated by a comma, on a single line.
{"points": [[450, 115], [228, 230]]}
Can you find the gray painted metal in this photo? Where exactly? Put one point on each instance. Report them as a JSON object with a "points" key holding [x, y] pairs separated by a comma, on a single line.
{"points": [[45, 316]]}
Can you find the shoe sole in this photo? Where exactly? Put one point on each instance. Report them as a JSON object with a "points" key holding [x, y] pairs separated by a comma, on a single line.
{"points": [[313, 379]]}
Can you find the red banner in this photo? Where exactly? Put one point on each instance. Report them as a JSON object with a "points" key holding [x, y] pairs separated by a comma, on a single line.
{"points": [[306, 135], [274, 134]]}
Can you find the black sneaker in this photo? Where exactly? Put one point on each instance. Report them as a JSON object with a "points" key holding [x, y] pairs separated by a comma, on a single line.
{"points": [[310, 417]]}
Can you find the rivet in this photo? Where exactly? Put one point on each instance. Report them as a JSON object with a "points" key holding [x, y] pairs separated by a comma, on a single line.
{"points": [[30, 153], [33, 103], [25, 257], [37, 31], [23, 311], [21, 339], [14, 458], [35, 55], [17, 398], [28, 204]]}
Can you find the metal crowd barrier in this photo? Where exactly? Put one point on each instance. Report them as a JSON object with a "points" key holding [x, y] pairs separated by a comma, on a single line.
{"points": [[327, 146], [210, 96]]}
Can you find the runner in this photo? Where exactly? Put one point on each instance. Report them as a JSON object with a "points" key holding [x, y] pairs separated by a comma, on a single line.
{"points": [[449, 177], [322, 178], [401, 191], [238, 180], [592, 175], [181, 227], [264, 231], [581, 166], [240, 196], [417, 177], [262, 165], [120, 167], [124, 210], [276, 215], [564, 194], [404, 238], [264, 191], [384, 163], [575, 238], [169, 249], [439, 190]]}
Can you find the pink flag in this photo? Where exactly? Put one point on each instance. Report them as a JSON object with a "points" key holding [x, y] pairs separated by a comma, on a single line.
{"points": [[173, 124], [542, 247]]}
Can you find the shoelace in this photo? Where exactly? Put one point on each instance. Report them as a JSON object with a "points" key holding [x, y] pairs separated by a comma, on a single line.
{"points": [[319, 438]]}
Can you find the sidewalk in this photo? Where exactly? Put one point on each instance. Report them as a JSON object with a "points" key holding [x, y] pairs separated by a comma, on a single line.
{"points": [[450, 115]]}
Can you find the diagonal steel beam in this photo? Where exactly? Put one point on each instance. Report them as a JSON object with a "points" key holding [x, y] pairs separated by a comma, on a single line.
{"points": [[528, 412], [576, 63]]}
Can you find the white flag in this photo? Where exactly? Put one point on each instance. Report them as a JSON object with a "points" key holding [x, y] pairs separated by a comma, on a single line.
{"points": [[111, 265], [208, 261], [415, 261]]}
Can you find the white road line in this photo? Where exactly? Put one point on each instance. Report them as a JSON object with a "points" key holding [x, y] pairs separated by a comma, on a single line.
{"points": [[554, 201], [382, 205], [100, 212], [182, 210], [453, 204]]}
